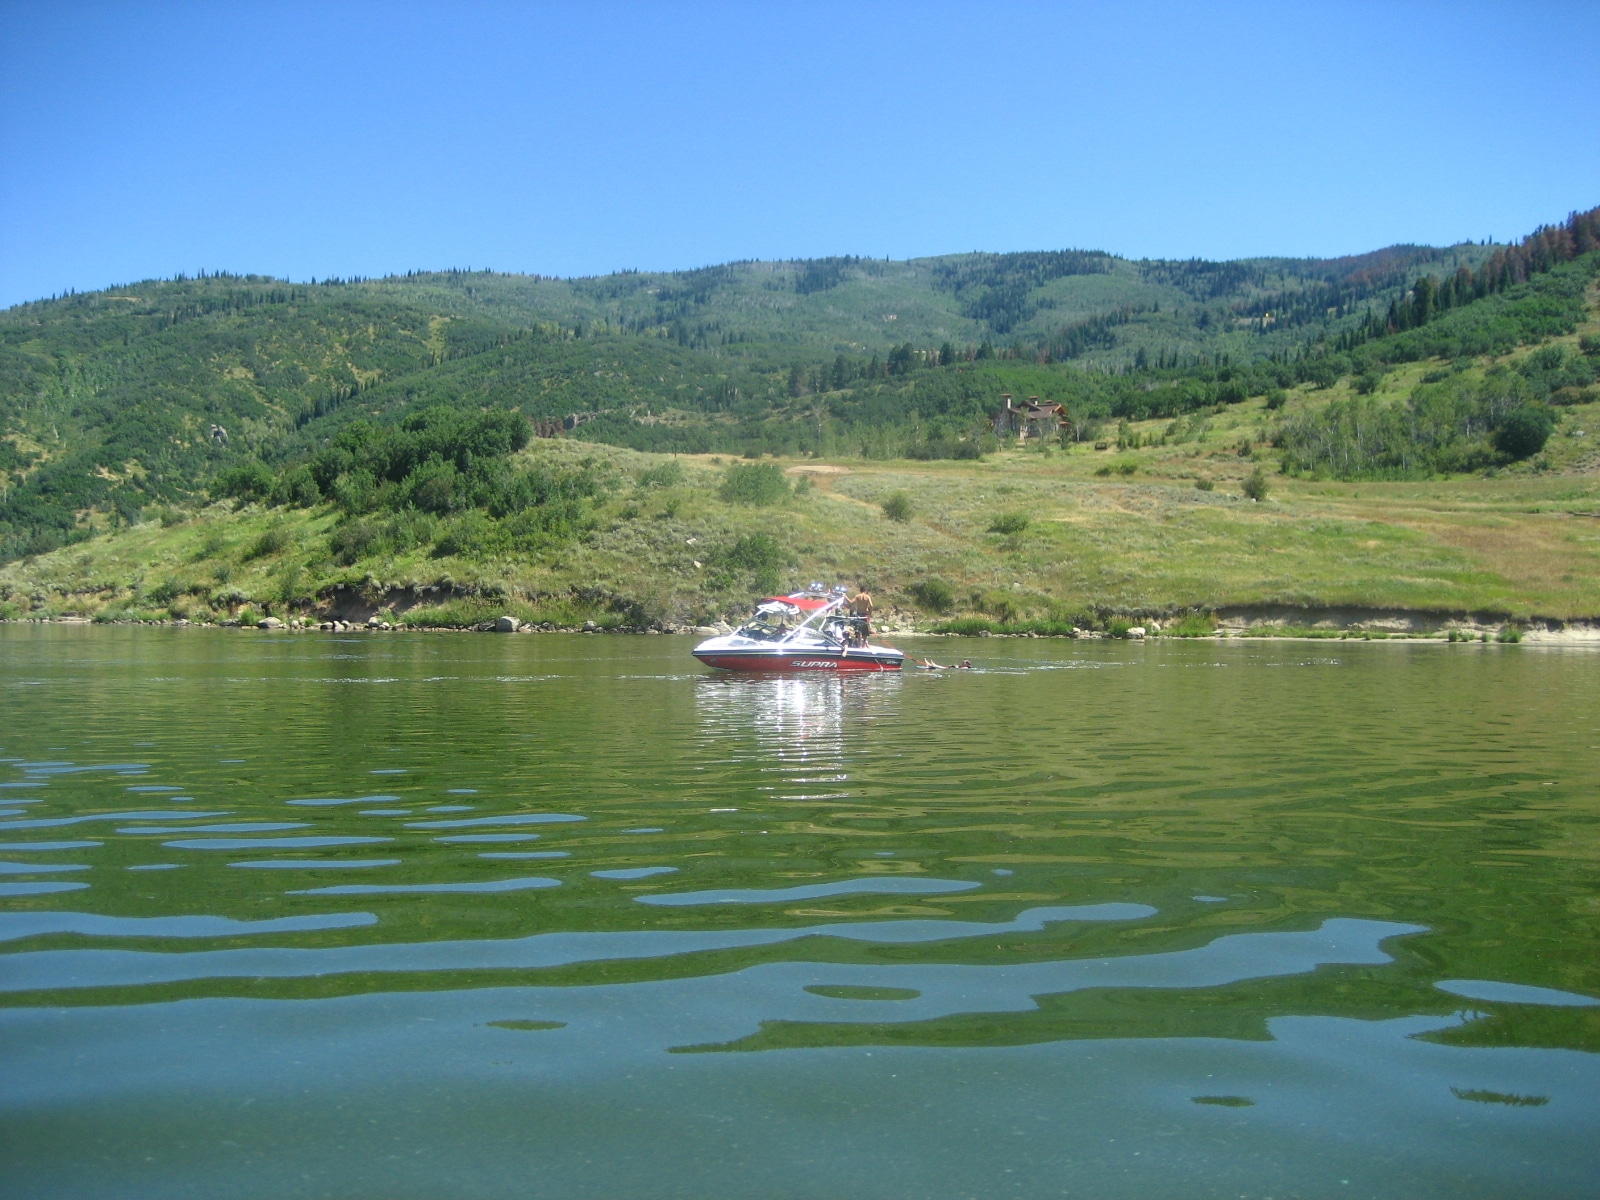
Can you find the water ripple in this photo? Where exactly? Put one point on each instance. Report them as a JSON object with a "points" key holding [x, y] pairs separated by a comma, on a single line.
{"points": [[113, 968], [394, 889], [286, 843], [893, 884], [36, 924]]}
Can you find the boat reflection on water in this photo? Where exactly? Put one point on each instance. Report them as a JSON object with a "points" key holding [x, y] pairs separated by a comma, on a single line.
{"points": [[807, 727]]}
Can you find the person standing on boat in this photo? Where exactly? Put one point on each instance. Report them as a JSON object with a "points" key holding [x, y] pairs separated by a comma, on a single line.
{"points": [[861, 610]]}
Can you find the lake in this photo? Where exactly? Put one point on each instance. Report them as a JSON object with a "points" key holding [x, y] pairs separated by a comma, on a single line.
{"points": [[383, 915]]}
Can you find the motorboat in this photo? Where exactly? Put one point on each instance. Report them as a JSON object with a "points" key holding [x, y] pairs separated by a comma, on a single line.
{"points": [[803, 631]]}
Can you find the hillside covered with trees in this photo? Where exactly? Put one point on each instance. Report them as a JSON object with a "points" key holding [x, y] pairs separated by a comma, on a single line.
{"points": [[173, 392]]}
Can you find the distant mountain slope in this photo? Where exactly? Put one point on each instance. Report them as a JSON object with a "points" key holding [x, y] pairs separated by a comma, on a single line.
{"points": [[114, 399]]}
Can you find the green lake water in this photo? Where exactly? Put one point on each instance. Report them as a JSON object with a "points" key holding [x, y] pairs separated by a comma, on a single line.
{"points": [[557, 916]]}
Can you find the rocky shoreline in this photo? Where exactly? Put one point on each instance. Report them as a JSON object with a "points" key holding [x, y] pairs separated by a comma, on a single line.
{"points": [[1314, 625]]}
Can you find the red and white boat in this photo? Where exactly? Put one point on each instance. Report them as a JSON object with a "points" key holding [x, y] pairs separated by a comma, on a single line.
{"points": [[805, 631]]}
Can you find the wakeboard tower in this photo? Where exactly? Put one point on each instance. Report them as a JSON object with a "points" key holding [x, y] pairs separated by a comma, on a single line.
{"points": [[803, 631]]}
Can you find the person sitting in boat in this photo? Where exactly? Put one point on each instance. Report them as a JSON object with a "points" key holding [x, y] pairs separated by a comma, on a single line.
{"points": [[770, 623]]}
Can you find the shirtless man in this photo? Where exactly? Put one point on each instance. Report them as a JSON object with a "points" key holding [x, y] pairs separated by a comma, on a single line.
{"points": [[861, 609]]}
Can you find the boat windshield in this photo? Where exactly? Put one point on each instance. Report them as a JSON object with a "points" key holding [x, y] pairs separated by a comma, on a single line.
{"points": [[777, 620], [767, 627]]}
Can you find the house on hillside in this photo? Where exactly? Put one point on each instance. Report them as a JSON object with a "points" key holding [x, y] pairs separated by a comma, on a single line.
{"points": [[1033, 419]]}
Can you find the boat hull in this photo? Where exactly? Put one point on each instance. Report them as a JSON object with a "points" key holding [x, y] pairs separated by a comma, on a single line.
{"points": [[871, 658]]}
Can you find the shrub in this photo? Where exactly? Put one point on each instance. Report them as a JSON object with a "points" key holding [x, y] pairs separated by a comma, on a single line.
{"points": [[434, 487], [933, 595], [667, 474], [1276, 398], [170, 589], [470, 533], [1509, 633], [467, 612], [1321, 372], [753, 552], [966, 627], [291, 586], [1002, 606], [297, 488], [250, 480], [355, 492], [273, 540], [896, 506], [1524, 431], [1368, 382], [1256, 486], [759, 554], [213, 544], [977, 626], [1205, 485], [354, 540], [943, 446], [1193, 625], [1127, 467], [42, 541], [759, 485], [1008, 523]]}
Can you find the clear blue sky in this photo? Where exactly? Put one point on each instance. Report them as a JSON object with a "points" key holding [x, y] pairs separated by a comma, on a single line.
{"points": [[299, 140]]}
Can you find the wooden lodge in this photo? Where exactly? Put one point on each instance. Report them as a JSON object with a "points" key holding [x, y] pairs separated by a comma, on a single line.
{"points": [[1032, 419]]}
